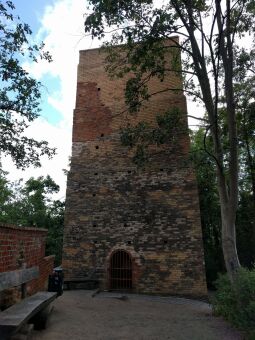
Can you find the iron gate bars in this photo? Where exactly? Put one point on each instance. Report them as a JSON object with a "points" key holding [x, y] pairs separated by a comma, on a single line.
{"points": [[121, 270]]}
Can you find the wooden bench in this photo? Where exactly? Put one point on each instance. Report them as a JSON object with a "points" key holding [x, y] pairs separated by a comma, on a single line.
{"points": [[33, 309], [89, 283]]}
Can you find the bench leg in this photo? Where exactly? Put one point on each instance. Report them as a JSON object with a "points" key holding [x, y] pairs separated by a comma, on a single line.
{"points": [[40, 320], [24, 333]]}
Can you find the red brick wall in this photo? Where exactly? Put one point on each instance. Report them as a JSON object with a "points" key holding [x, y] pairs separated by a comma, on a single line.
{"points": [[25, 246], [152, 212]]}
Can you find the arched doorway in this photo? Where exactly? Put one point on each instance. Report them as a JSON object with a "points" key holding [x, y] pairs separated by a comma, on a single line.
{"points": [[120, 270]]}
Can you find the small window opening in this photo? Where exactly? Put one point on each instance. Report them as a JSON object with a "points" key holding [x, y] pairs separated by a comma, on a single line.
{"points": [[165, 241], [98, 89], [97, 147], [102, 135], [95, 173], [128, 242]]}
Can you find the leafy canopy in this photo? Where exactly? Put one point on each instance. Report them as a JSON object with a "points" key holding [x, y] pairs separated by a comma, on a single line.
{"points": [[32, 204], [20, 94], [143, 27], [214, 64]]}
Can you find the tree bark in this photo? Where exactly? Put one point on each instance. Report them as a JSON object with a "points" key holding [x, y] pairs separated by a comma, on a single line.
{"points": [[227, 188], [229, 239]]}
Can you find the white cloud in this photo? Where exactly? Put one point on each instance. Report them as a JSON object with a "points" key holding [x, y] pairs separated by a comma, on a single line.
{"points": [[62, 30], [56, 136]]}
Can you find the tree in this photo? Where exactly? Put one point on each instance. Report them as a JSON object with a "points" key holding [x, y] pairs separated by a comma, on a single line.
{"points": [[37, 202], [209, 206], [209, 32], [210, 209], [31, 204], [19, 93], [54, 243], [246, 127], [5, 196]]}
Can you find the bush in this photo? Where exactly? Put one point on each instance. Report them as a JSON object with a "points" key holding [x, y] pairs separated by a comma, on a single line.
{"points": [[236, 303]]}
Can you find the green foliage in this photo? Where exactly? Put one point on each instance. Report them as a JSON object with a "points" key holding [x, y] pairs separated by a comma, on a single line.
{"points": [[5, 194], [31, 204], [54, 242], [141, 29], [245, 228], [214, 66], [210, 209], [37, 202], [19, 93], [236, 303], [209, 206], [168, 128], [246, 122]]}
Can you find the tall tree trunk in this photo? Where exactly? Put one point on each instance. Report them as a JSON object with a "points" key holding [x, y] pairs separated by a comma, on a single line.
{"points": [[227, 184], [229, 240], [228, 218], [228, 188]]}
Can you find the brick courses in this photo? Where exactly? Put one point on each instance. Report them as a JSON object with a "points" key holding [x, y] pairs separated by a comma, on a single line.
{"points": [[152, 213], [21, 246]]}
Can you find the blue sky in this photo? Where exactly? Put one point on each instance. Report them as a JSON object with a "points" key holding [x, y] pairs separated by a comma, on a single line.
{"points": [[31, 13], [59, 23]]}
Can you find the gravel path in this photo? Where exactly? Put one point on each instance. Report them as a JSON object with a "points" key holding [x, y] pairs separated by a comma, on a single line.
{"points": [[79, 316]]}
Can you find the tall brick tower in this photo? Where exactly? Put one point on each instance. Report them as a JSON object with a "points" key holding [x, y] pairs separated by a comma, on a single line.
{"points": [[130, 228]]}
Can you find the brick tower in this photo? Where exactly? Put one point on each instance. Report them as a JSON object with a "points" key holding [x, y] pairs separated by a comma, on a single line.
{"points": [[131, 228]]}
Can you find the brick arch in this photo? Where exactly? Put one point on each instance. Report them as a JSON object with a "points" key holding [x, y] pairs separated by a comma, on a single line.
{"points": [[136, 264], [121, 270]]}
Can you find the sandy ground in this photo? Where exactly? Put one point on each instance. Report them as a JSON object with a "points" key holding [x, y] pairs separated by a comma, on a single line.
{"points": [[79, 316]]}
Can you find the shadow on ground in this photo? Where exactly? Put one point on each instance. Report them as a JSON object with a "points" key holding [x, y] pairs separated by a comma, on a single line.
{"points": [[79, 316]]}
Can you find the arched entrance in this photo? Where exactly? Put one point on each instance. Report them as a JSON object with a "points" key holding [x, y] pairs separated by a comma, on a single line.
{"points": [[120, 270]]}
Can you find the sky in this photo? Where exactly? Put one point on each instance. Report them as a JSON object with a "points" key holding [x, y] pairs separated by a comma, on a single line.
{"points": [[60, 24]]}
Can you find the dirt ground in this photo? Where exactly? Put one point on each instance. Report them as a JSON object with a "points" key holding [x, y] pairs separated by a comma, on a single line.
{"points": [[79, 316]]}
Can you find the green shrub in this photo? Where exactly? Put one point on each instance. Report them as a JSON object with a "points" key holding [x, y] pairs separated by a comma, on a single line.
{"points": [[236, 303]]}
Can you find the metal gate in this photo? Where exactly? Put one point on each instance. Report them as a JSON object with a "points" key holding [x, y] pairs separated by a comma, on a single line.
{"points": [[121, 270]]}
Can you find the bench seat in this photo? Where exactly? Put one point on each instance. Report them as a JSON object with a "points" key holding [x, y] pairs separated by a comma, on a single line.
{"points": [[14, 317], [74, 282]]}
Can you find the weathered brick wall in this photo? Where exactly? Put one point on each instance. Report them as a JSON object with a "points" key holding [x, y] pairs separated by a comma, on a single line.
{"points": [[152, 213], [24, 246]]}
